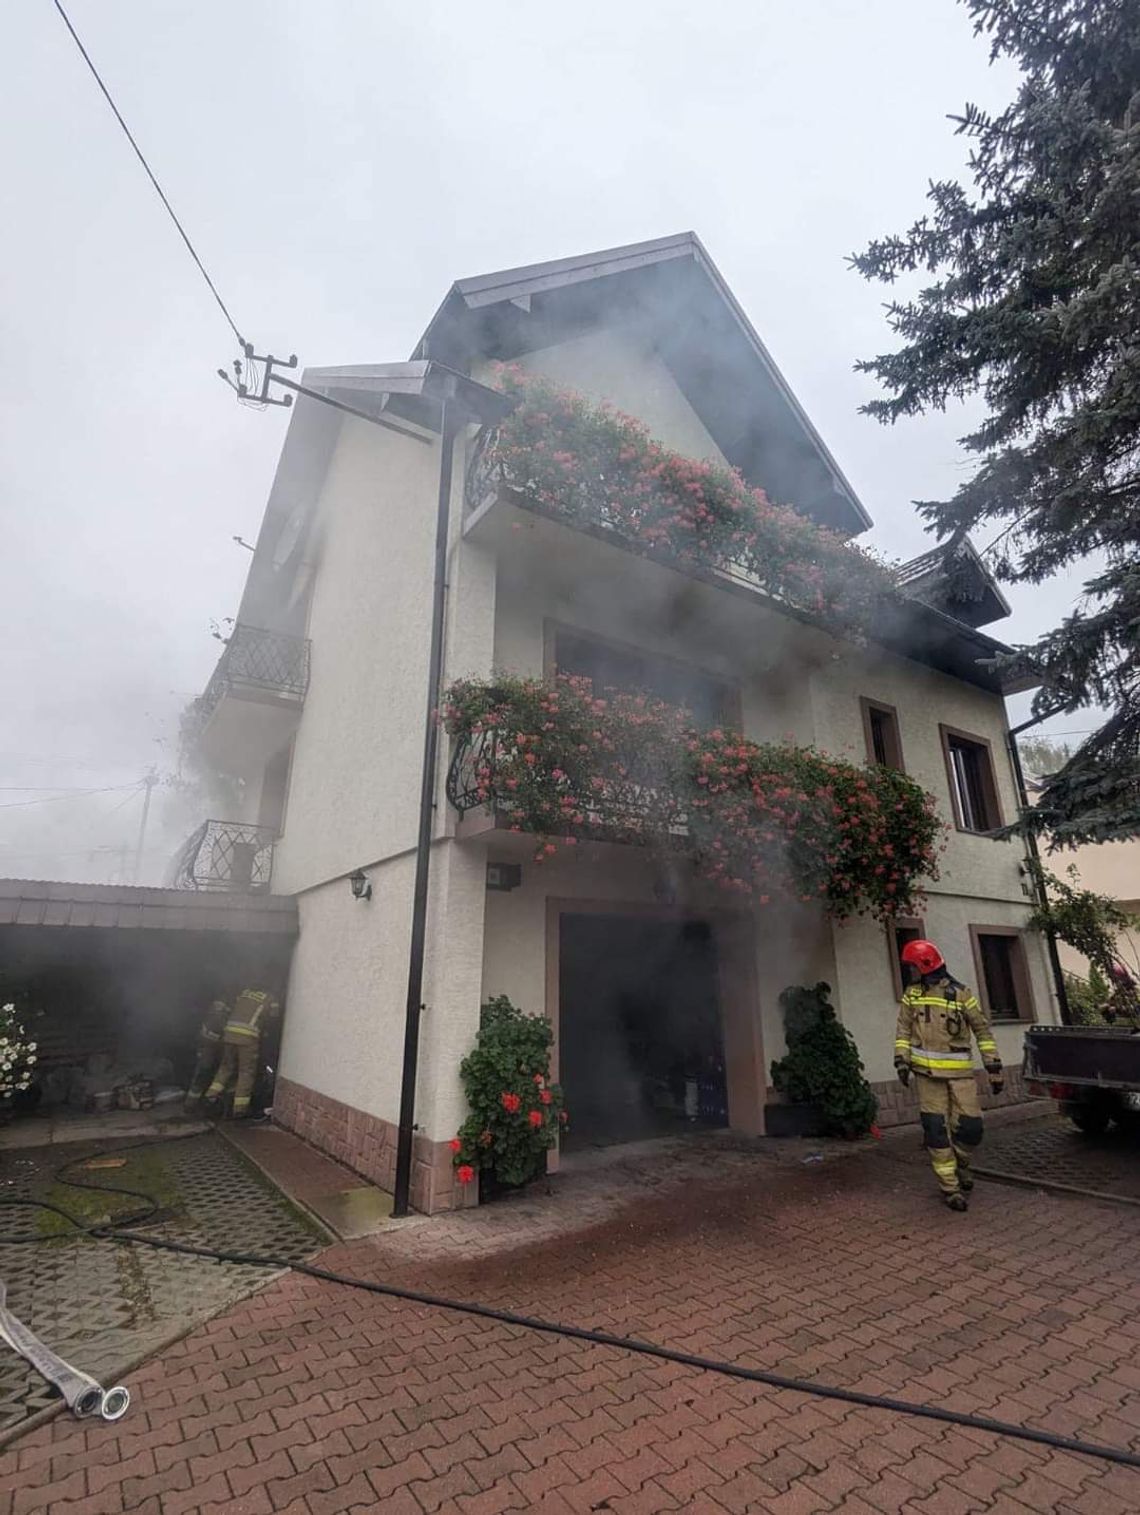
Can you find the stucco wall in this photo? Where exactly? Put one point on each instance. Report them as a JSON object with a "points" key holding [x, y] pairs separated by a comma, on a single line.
{"points": [[620, 365], [344, 1016], [924, 699], [355, 773], [344, 1027]]}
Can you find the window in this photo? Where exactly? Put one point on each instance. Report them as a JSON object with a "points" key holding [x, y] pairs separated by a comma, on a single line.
{"points": [[902, 930], [973, 789], [610, 666], [881, 728], [1003, 973]]}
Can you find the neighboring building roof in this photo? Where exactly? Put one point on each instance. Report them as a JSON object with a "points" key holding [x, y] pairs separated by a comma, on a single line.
{"points": [[672, 286], [44, 902], [956, 581]]}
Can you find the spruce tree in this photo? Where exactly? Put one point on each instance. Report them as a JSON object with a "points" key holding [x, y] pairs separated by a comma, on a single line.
{"points": [[1034, 308]]}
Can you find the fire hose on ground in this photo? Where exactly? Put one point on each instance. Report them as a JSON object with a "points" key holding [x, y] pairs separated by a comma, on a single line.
{"points": [[117, 1232], [83, 1394]]}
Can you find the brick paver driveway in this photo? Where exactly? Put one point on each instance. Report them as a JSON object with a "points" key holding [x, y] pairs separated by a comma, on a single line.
{"points": [[311, 1398]]}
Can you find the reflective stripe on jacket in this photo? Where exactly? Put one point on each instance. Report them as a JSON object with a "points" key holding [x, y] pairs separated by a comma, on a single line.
{"points": [[251, 1009], [934, 1027]]}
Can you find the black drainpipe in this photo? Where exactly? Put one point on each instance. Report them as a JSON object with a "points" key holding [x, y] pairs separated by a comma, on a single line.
{"points": [[403, 1184]]}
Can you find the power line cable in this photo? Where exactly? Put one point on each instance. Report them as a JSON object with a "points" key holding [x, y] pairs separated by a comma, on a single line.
{"points": [[45, 788], [149, 173], [75, 795]]}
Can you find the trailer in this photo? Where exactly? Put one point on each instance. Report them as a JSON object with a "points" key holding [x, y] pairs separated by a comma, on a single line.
{"points": [[1093, 1072]]}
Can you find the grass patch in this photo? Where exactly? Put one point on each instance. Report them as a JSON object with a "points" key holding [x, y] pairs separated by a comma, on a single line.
{"points": [[144, 1169]]}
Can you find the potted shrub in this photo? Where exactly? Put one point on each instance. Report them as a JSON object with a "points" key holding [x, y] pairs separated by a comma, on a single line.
{"points": [[516, 1112], [821, 1073]]}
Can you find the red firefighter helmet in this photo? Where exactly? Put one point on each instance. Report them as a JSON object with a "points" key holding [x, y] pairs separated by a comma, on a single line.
{"points": [[924, 956]]}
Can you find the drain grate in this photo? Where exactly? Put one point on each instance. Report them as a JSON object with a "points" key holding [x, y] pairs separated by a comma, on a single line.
{"points": [[102, 1306]]}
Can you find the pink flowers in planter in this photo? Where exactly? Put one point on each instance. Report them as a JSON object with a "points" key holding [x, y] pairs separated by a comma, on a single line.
{"points": [[590, 463], [771, 820]]}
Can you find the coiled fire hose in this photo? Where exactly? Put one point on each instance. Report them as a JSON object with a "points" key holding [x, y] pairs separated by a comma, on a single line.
{"points": [[107, 1231], [83, 1394]]}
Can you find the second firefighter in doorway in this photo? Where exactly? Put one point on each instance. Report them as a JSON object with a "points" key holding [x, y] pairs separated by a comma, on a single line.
{"points": [[932, 1042], [252, 1014], [209, 1051]]}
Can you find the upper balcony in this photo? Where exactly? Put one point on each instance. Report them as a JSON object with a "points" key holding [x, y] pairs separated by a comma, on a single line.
{"points": [[252, 704], [228, 857], [582, 496]]}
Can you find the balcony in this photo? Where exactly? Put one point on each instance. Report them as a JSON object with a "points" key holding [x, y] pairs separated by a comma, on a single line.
{"points": [[555, 764], [225, 857], [574, 496], [627, 795], [253, 702]]}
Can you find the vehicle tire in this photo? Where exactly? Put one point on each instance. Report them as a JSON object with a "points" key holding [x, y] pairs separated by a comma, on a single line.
{"points": [[1091, 1119]]}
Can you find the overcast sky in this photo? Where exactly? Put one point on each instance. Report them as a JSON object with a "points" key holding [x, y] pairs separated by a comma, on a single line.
{"points": [[338, 165]]}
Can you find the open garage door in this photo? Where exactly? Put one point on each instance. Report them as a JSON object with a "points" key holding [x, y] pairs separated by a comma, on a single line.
{"points": [[641, 1048]]}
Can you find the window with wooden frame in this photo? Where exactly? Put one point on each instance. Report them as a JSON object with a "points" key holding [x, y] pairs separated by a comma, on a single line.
{"points": [[1004, 986], [903, 929], [881, 729], [973, 783], [612, 665]]}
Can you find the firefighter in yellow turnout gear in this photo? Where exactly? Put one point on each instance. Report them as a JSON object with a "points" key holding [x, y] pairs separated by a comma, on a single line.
{"points": [[209, 1050], [932, 1041], [253, 1010]]}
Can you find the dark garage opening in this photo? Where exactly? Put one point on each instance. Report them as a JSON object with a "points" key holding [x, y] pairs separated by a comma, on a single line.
{"points": [[641, 1051], [115, 1008]]}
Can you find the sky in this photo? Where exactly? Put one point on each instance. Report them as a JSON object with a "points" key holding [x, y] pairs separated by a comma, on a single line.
{"points": [[338, 166]]}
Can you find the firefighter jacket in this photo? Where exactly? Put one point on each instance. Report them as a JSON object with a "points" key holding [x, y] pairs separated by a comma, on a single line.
{"points": [[252, 1009], [933, 1033]]}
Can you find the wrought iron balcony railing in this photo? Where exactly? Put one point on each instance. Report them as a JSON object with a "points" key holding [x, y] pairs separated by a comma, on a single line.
{"points": [[227, 857], [587, 501], [633, 800], [268, 662]]}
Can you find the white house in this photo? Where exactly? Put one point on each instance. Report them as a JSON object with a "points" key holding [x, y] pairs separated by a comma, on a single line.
{"points": [[318, 705]]}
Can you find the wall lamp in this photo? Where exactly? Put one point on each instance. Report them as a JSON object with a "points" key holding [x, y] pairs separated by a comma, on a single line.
{"points": [[361, 888]]}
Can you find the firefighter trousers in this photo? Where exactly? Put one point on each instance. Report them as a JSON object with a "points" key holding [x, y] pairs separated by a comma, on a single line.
{"points": [[239, 1067], [951, 1127], [209, 1051]]}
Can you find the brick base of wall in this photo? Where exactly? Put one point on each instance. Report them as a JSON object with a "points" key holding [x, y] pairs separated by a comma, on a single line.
{"points": [[367, 1144], [899, 1106]]}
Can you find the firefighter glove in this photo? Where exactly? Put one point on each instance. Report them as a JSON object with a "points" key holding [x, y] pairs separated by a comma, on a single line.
{"points": [[903, 1071], [997, 1080]]}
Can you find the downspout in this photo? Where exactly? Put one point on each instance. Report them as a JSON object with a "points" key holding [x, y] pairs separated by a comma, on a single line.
{"points": [[1039, 890], [414, 1006]]}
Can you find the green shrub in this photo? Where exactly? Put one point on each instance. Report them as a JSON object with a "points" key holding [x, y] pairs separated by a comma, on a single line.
{"points": [[822, 1065], [516, 1112], [1088, 997]]}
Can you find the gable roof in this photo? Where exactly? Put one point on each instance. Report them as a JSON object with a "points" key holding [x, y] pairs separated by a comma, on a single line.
{"points": [[673, 290]]}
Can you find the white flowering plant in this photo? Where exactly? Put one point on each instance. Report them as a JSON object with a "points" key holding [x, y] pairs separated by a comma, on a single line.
{"points": [[17, 1054]]}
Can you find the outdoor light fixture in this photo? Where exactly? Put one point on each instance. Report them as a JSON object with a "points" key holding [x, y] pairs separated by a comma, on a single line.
{"points": [[361, 888]]}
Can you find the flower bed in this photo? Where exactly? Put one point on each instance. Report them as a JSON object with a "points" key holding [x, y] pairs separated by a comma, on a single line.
{"points": [[583, 461], [768, 820], [17, 1055]]}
